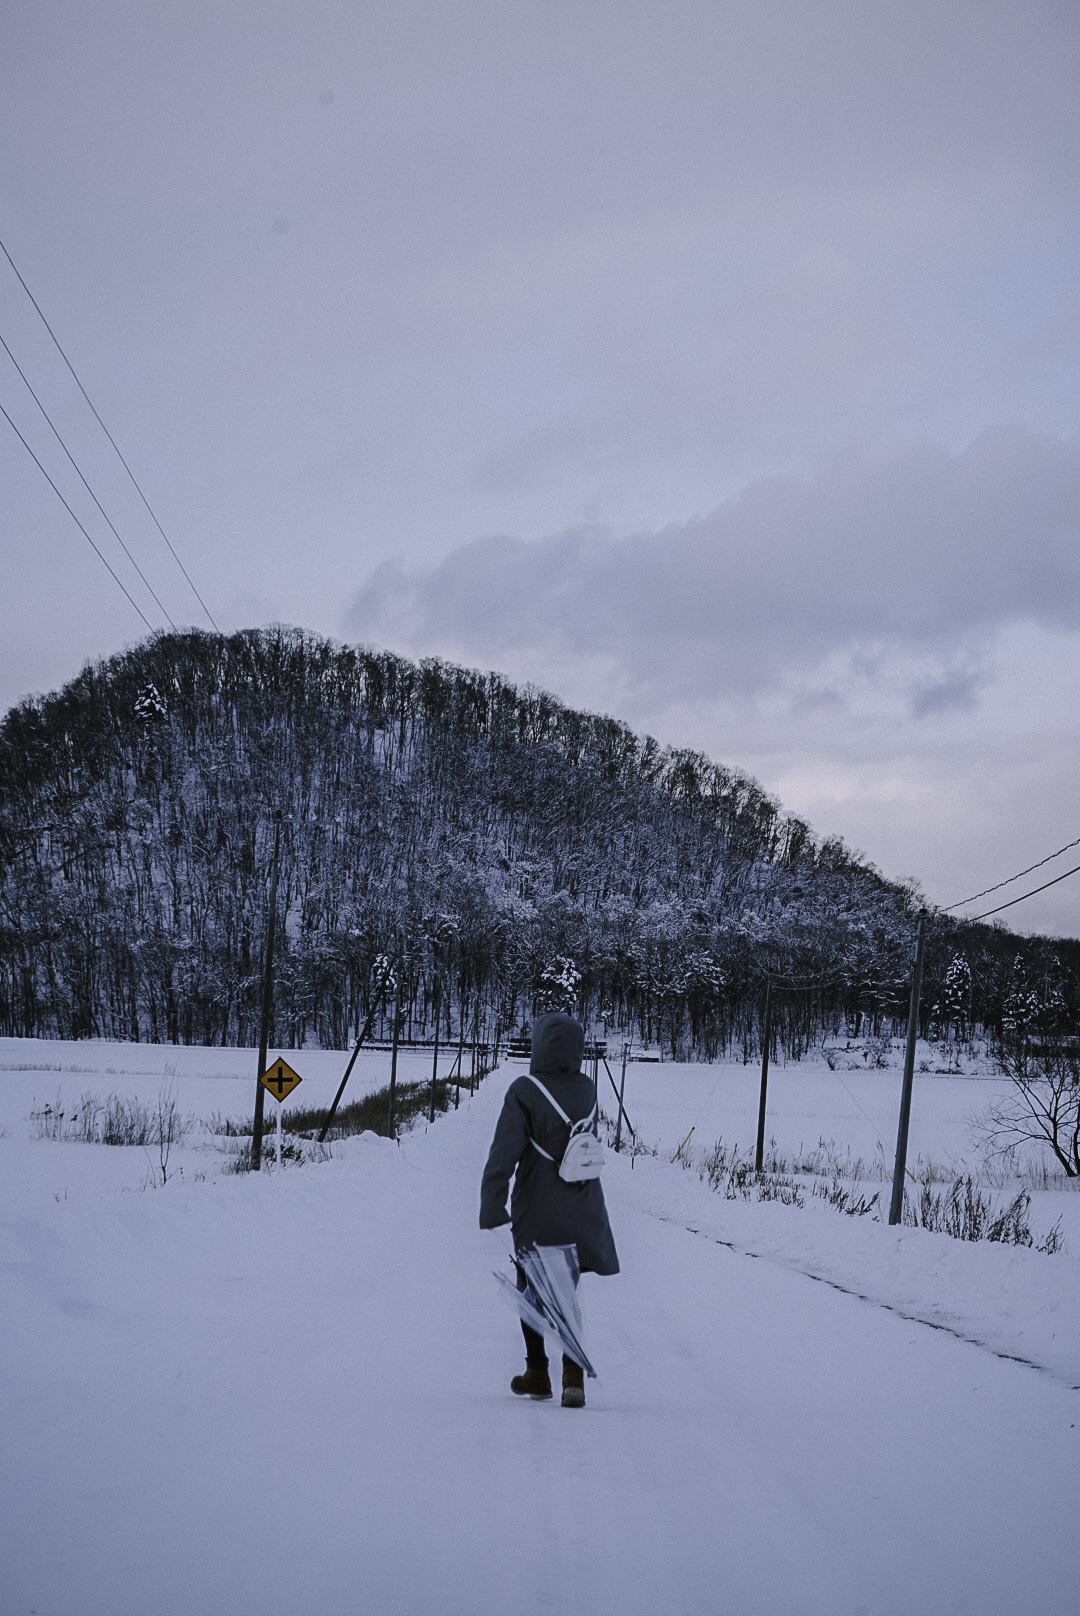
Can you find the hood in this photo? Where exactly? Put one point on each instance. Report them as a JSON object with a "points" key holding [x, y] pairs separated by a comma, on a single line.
{"points": [[558, 1043]]}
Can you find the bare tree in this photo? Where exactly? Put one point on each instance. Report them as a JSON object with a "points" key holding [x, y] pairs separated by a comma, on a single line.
{"points": [[167, 1127], [1043, 1106]]}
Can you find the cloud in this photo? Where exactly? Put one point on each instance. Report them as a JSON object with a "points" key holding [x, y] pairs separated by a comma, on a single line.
{"points": [[891, 648], [872, 577], [554, 266]]}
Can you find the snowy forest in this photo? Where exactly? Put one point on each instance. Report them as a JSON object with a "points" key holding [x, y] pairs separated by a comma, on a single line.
{"points": [[508, 853]]}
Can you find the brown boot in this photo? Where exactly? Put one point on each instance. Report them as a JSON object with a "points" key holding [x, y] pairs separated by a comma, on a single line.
{"points": [[534, 1383], [573, 1384]]}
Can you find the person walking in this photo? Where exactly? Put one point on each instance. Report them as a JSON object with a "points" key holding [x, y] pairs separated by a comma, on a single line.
{"points": [[545, 1210]]}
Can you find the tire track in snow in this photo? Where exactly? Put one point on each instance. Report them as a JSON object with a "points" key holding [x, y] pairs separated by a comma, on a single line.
{"points": [[862, 1296]]}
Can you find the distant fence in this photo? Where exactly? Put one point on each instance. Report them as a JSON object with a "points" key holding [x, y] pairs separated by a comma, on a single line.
{"points": [[483, 1058], [521, 1049]]}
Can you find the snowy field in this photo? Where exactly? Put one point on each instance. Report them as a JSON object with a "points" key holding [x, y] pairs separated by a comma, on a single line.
{"points": [[856, 1108], [290, 1392]]}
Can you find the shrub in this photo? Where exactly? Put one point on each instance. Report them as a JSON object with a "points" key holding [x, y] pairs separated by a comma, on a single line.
{"points": [[965, 1213], [121, 1119], [733, 1175], [856, 1206], [369, 1114]]}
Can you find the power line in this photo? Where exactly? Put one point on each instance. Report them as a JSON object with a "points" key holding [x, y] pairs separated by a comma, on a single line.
{"points": [[985, 893], [84, 482], [110, 437], [71, 513], [862, 1108], [1074, 871]]}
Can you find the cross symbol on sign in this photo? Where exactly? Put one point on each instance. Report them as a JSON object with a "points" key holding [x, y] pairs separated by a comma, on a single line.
{"points": [[280, 1079]]}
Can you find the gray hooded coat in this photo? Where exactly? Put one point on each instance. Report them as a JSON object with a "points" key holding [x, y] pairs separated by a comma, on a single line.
{"points": [[544, 1209]]}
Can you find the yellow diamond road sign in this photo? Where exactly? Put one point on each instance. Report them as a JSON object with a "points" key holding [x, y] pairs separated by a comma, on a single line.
{"points": [[280, 1079]]}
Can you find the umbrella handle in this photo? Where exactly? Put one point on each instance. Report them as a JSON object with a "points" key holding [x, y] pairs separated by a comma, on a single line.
{"points": [[499, 1238]]}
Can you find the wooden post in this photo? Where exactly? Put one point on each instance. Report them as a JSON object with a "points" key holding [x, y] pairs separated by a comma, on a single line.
{"points": [[267, 1002], [896, 1205], [435, 1061], [622, 1091], [461, 1048], [393, 1055], [766, 1039], [364, 1031]]}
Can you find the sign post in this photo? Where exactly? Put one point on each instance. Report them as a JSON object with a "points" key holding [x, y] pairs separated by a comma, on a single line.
{"points": [[280, 1079]]}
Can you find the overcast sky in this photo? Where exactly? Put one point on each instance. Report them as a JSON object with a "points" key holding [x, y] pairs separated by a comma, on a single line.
{"points": [[714, 365]]}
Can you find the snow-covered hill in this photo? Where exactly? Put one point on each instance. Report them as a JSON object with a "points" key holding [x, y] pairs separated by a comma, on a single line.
{"points": [[516, 853]]}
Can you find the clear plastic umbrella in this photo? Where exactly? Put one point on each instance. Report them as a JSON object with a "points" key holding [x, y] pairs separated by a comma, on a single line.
{"points": [[549, 1302]]}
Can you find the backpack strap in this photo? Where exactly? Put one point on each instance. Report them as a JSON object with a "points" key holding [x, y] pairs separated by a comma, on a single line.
{"points": [[584, 1124], [550, 1098], [581, 1126]]}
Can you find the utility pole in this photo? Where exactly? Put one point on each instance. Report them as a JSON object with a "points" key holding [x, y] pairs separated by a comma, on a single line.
{"points": [[766, 1039], [896, 1205], [267, 1001]]}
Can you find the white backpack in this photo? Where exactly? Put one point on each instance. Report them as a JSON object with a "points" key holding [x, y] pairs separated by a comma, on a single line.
{"points": [[584, 1155]]}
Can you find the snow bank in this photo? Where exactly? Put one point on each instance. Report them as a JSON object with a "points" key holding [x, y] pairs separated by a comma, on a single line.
{"points": [[1011, 1300], [288, 1392]]}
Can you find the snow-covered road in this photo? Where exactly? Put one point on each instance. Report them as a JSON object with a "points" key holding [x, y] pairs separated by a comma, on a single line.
{"points": [[290, 1394]]}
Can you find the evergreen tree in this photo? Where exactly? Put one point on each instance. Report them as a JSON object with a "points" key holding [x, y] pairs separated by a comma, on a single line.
{"points": [[956, 998]]}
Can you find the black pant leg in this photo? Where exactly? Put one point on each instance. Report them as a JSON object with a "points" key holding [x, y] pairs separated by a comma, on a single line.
{"points": [[534, 1345], [534, 1341]]}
